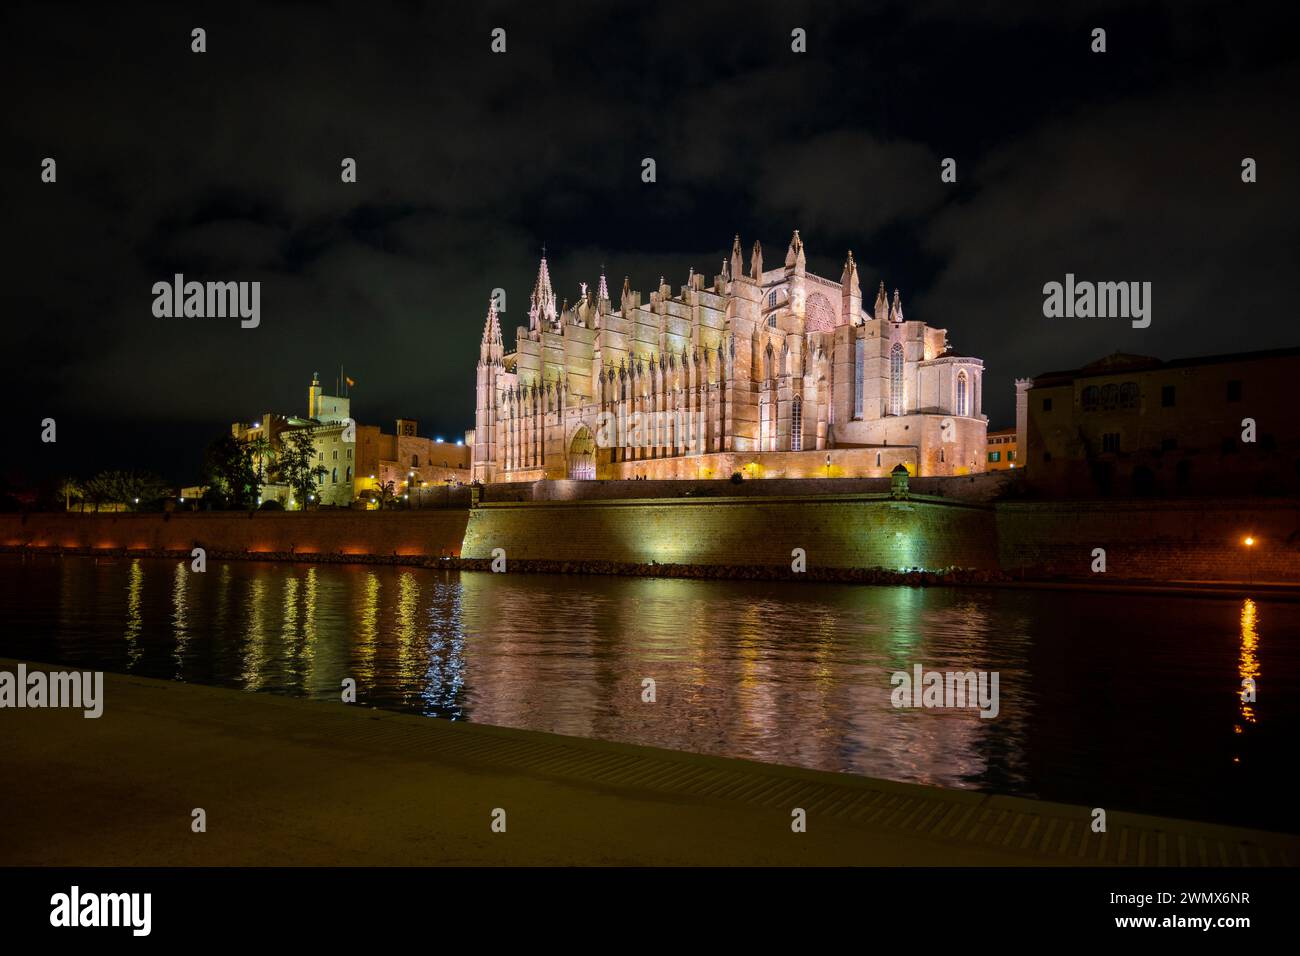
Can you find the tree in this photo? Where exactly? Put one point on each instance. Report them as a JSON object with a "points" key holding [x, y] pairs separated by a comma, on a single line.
{"points": [[387, 494], [97, 490], [298, 466], [134, 489], [235, 470], [70, 488]]}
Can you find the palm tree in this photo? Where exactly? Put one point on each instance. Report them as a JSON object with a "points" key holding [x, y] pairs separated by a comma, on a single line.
{"points": [[69, 489]]}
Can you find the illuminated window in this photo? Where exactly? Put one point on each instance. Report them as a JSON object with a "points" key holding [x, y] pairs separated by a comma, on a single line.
{"points": [[771, 300], [896, 379], [995, 456], [796, 424], [334, 477], [961, 395]]}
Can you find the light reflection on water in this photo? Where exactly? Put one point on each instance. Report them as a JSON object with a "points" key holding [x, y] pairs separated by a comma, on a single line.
{"points": [[1121, 701]]}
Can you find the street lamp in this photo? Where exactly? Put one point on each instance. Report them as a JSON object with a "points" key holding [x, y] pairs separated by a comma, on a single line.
{"points": [[828, 466], [1249, 542]]}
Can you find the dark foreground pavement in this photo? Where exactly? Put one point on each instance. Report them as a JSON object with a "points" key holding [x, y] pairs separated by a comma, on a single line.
{"points": [[290, 782]]}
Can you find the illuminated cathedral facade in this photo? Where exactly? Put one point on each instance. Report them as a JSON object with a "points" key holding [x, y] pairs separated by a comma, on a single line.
{"points": [[763, 372]]}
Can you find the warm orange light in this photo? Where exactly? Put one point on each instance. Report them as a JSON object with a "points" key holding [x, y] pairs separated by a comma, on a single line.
{"points": [[1249, 541]]}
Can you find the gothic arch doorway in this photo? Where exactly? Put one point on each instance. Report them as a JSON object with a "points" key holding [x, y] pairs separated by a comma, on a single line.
{"points": [[582, 455]]}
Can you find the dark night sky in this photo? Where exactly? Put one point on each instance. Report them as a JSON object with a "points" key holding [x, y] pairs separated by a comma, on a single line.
{"points": [[225, 165]]}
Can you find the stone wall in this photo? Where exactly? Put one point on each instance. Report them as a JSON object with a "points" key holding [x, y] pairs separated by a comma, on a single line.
{"points": [[834, 531], [1143, 539], [1153, 540], [973, 488], [432, 533]]}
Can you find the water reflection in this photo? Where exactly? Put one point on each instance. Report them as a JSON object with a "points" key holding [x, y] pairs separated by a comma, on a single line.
{"points": [[1248, 668], [1117, 700]]}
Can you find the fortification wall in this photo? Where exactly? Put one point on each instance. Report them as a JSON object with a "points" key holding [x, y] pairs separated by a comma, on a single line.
{"points": [[840, 532], [975, 488], [432, 532], [1147, 539]]}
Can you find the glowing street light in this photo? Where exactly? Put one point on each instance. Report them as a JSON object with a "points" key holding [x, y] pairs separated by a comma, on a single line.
{"points": [[1249, 542]]}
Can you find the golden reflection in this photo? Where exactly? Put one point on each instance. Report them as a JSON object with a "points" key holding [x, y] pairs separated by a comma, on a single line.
{"points": [[291, 586], [367, 644], [1248, 663], [255, 651], [408, 619], [134, 617], [180, 613], [310, 586]]}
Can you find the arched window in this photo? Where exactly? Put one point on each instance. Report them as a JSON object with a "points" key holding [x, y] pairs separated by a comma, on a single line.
{"points": [[348, 475], [771, 319], [334, 476], [415, 461], [962, 401], [1091, 397], [796, 424], [771, 299], [896, 379]]}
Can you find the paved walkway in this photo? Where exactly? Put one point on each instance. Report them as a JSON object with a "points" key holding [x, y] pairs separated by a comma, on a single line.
{"points": [[287, 781]]}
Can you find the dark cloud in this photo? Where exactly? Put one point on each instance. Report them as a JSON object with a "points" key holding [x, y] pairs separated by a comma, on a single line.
{"points": [[226, 165]]}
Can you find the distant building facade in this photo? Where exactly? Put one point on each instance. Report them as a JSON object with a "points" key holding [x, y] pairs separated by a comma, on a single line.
{"points": [[768, 372], [358, 459], [1135, 425], [1001, 454]]}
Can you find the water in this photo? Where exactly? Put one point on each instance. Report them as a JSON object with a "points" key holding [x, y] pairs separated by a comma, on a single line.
{"points": [[1123, 702]]}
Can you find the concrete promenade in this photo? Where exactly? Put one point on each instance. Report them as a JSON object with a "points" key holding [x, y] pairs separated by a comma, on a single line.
{"points": [[288, 782]]}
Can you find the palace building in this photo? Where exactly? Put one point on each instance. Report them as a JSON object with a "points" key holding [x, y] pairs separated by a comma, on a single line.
{"points": [[765, 372]]}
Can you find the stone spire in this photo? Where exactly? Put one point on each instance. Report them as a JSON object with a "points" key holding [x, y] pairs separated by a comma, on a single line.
{"points": [[756, 262], [602, 290], [794, 256], [882, 302], [492, 327], [896, 311], [737, 259], [542, 303], [850, 291], [625, 301]]}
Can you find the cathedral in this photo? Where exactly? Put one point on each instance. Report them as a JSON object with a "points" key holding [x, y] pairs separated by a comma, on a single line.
{"points": [[764, 372]]}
